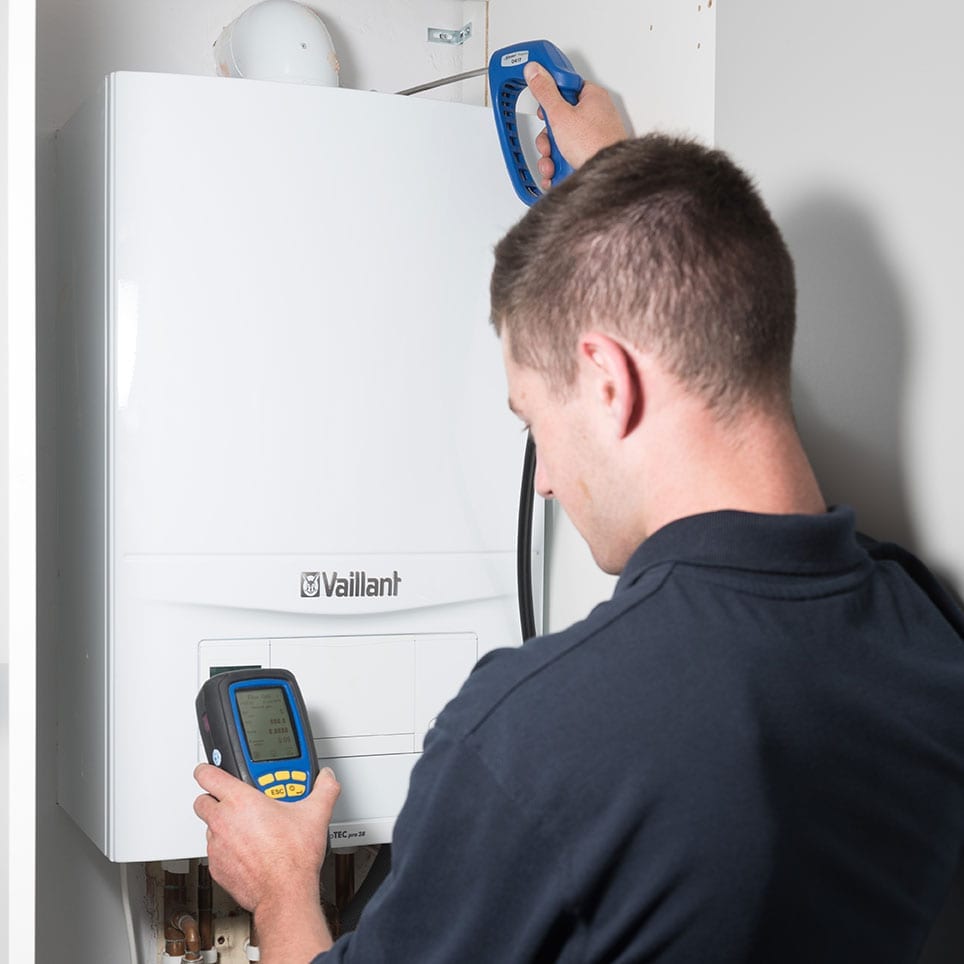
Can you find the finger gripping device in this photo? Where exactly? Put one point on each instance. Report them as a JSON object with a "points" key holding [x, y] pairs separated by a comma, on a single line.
{"points": [[254, 725], [506, 82]]}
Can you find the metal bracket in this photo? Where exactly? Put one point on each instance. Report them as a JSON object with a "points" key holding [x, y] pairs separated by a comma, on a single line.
{"points": [[439, 35]]}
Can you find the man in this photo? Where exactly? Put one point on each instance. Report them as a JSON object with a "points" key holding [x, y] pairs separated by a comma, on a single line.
{"points": [[755, 750]]}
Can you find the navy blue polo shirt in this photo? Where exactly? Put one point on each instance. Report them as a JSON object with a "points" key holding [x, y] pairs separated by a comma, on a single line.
{"points": [[753, 752]]}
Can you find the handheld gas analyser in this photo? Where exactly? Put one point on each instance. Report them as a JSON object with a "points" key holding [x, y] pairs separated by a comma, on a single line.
{"points": [[254, 725], [507, 81]]}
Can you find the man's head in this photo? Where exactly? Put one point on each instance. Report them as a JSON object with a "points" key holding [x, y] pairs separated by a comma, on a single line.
{"points": [[668, 245], [646, 309]]}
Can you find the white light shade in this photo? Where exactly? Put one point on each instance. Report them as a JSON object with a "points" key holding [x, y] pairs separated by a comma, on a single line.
{"points": [[278, 40]]}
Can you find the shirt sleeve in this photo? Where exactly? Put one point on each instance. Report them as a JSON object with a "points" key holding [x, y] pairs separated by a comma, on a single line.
{"points": [[473, 876]]}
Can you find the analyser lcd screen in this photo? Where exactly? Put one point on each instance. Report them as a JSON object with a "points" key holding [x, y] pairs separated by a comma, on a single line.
{"points": [[267, 723]]}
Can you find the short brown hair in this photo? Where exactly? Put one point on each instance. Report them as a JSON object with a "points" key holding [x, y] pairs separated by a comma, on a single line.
{"points": [[667, 244]]}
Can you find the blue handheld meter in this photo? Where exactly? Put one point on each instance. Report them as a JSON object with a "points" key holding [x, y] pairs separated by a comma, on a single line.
{"points": [[254, 724], [506, 82]]}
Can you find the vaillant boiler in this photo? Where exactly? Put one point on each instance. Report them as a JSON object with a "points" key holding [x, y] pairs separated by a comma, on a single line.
{"points": [[284, 438]]}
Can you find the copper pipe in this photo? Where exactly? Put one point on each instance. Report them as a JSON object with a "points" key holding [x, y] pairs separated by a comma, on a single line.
{"points": [[173, 941], [344, 879], [183, 922], [205, 899], [174, 888], [181, 936]]}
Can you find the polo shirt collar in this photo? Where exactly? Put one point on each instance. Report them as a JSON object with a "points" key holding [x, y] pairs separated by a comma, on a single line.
{"points": [[804, 544]]}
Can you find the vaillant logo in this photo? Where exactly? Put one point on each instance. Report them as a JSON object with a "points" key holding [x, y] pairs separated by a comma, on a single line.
{"points": [[354, 583], [310, 583]]}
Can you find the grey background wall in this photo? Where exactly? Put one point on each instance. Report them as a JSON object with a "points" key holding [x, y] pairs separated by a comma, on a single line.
{"points": [[845, 113]]}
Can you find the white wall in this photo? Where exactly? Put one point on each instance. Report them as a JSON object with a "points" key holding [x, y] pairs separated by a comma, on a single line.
{"points": [[656, 56], [4, 502], [4, 408], [381, 46], [17, 480], [4, 804]]}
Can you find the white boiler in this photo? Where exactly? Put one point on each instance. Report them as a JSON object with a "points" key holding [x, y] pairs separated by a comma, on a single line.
{"points": [[284, 438]]}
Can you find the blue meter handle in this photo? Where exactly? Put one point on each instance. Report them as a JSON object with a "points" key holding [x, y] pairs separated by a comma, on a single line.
{"points": [[506, 82]]}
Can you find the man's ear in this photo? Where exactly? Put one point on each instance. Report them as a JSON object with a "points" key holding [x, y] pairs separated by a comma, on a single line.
{"points": [[614, 379]]}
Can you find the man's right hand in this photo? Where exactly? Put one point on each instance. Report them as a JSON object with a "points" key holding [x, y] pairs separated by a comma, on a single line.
{"points": [[267, 854], [579, 130]]}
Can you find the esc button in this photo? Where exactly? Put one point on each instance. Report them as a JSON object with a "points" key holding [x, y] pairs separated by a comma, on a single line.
{"points": [[276, 792]]}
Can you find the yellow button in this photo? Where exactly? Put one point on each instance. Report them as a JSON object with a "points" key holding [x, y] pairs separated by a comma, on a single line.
{"points": [[299, 775], [276, 792], [282, 775], [296, 789], [265, 780]]}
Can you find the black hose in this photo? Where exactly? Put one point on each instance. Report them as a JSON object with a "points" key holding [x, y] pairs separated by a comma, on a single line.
{"points": [[527, 617]]}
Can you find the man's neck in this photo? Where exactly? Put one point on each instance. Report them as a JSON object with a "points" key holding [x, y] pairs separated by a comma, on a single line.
{"points": [[755, 463]]}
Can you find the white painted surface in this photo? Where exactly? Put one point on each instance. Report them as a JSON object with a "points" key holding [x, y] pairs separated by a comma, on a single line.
{"points": [[17, 482], [380, 46], [5, 803], [4, 315], [656, 56]]}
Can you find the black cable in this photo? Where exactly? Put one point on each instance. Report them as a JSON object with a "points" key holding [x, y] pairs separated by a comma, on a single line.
{"points": [[527, 617]]}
